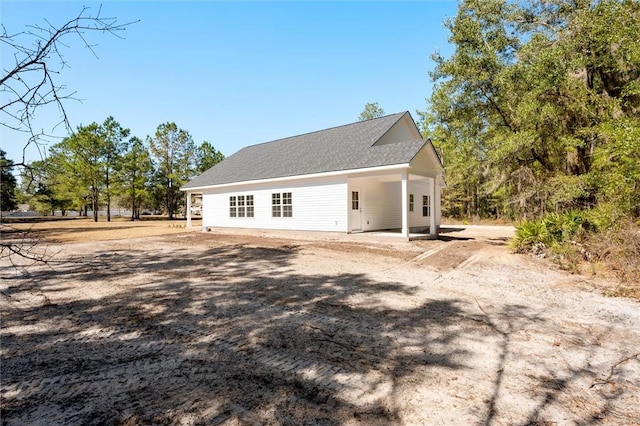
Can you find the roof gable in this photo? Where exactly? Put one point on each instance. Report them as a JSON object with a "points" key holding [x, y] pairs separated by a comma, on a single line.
{"points": [[403, 130], [347, 147], [426, 161]]}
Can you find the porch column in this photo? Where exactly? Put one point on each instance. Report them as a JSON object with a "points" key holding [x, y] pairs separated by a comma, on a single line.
{"points": [[433, 232], [405, 204], [188, 210]]}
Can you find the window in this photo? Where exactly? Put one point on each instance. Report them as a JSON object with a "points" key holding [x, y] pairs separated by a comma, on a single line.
{"points": [[276, 205], [410, 202], [232, 206], [355, 200], [426, 205], [282, 205], [241, 206], [287, 205], [249, 205]]}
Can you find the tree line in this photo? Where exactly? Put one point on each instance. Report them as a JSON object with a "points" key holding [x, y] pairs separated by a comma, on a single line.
{"points": [[100, 165], [538, 108]]}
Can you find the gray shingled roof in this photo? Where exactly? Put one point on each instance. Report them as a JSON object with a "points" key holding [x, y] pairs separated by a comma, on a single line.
{"points": [[345, 147]]}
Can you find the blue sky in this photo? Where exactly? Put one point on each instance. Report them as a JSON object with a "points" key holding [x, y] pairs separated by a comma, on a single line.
{"points": [[241, 73]]}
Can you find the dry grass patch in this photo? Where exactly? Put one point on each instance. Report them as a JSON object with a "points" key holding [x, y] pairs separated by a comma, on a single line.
{"points": [[619, 252], [84, 230]]}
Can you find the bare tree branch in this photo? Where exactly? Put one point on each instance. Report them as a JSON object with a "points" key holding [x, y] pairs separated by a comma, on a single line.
{"points": [[31, 83], [22, 245]]}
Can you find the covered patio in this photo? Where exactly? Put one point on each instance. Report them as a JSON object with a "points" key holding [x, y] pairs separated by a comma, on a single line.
{"points": [[403, 203]]}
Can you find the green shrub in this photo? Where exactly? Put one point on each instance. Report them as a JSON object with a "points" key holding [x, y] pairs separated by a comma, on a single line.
{"points": [[604, 217], [554, 223], [528, 234], [572, 225], [601, 236], [553, 230]]}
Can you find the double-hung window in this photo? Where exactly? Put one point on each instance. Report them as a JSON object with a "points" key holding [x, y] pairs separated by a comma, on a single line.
{"points": [[281, 204], [249, 205], [233, 210], [276, 205], [287, 205], [410, 202], [426, 205], [241, 206]]}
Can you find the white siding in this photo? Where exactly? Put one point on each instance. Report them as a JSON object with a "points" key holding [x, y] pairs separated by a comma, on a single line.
{"points": [[323, 204], [418, 189], [425, 162], [382, 202], [318, 205], [404, 130], [377, 202]]}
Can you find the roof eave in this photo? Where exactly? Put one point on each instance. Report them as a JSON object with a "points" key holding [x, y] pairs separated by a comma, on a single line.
{"points": [[374, 169]]}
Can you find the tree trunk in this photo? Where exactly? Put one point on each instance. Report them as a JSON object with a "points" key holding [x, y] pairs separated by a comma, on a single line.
{"points": [[133, 204], [169, 202], [108, 197], [94, 203]]}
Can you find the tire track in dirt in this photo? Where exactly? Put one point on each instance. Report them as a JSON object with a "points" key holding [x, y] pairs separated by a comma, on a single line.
{"points": [[133, 367], [419, 258], [470, 261], [294, 365], [93, 345]]}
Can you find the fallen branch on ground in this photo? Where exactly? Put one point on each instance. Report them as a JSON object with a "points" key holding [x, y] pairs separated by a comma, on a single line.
{"points": [[612, 370]]}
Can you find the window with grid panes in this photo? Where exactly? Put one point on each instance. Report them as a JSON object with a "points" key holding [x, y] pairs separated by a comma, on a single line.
{"points": [[232, 206], [240, 205], [426, 205], [276, 205], [287, 204], [249, 205]]}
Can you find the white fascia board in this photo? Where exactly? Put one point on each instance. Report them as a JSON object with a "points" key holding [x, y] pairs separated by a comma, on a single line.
{"points": [[299, 177]]}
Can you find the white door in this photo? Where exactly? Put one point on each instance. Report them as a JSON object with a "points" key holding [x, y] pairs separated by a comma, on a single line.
{"points": [[355, 215]]}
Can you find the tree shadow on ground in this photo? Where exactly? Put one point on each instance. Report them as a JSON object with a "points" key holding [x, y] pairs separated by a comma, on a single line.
{"points": [[229, 333]]}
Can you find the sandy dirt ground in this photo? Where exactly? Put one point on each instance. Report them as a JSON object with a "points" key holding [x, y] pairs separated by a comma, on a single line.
{"points": [[162, 325]]}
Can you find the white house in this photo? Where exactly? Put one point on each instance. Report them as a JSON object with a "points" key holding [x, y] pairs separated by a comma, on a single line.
{"points": [[370, 175]]}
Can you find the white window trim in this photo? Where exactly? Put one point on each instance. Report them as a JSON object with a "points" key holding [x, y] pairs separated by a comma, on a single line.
{"points": [[278, 209], [426, 206], [250, 206], [239, 207], [233, 206]]}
